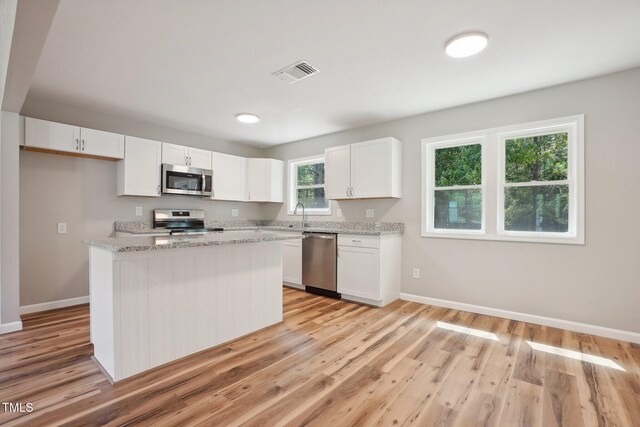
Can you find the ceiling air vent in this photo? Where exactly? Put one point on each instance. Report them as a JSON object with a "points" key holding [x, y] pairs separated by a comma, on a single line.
{"points": [[296, 72]]}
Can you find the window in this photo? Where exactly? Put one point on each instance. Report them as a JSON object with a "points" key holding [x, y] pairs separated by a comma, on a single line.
{"points": [[306, 185], [538, 173], [456, 190]]}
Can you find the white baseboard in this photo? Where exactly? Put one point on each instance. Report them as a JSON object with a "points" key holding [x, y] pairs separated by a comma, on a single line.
{"points": [[530, 318], [25, 309], [5, 328], [293, 285]]}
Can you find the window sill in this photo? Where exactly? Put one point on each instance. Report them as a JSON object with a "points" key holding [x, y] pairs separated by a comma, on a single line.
{"points": [[569, 240]]}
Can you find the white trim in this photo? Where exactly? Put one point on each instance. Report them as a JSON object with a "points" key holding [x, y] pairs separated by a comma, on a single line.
{"points": [[291, 186], [574, 127], [585, 328], [6, 328], [34, 308], [492, 141], [429, 146]]}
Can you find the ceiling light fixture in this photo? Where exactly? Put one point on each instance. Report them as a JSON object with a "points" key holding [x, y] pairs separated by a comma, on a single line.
{"points": [[247, 118], [466, 44]]}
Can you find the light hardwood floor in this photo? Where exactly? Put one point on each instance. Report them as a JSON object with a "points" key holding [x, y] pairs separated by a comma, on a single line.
{"points": [[333, 363]]}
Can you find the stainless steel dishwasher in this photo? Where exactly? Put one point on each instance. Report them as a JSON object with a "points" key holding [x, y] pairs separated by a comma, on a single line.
{"points": [[319, 259]]}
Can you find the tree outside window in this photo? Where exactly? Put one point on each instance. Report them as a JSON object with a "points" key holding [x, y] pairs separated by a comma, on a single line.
{"points": [[307, 185]]}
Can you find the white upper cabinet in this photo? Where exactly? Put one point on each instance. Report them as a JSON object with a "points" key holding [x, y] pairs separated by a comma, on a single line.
{"points": [[265, 180], [45, 135], [337, 172], [102, 144], [229, 177], [370, 169], [186, 156], [51, 136], [199, 158], [139, 172], [175, 154]]}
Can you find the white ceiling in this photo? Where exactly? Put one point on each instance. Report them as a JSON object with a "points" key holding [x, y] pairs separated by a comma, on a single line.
{"points": [[194, 64]]}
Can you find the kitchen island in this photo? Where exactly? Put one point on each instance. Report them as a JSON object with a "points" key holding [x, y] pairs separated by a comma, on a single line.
{"points": [[157, 299]]}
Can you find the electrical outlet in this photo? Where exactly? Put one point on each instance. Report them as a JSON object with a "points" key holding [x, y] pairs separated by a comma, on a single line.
{"points": [[62, 228], [370, 213], [416, 273], [339, 212], [235, 212], [138, 210]]}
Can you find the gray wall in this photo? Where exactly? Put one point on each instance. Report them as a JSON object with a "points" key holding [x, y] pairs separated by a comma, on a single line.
{"points": [[598, 283], [8, 191], [9, 214], [82, 193]]}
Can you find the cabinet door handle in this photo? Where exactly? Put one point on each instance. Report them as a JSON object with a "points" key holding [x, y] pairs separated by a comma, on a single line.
{"points": [[348, 195], [77, 144], [213, 193], [83, 145], [158, 190]]}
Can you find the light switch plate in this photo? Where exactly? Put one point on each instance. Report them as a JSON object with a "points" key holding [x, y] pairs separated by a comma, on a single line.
{"points": [[370, 213], [62, 228], [235, 212], [138, 210]]}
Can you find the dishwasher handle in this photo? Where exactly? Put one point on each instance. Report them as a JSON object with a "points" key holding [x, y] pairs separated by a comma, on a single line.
{"points": [[318, 236]]}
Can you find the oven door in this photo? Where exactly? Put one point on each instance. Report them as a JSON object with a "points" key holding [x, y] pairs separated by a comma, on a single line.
{"points": [[185, 180]]}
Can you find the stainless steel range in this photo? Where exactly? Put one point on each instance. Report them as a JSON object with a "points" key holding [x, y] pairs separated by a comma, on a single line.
{"points": [[181, 222]]}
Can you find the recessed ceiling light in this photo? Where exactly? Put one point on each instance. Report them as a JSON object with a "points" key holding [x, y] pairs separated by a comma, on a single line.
{"points": [[247, 118], [466, 44]]}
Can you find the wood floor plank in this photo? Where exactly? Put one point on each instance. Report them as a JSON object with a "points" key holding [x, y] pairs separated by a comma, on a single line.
{"points": [[335, 363]]}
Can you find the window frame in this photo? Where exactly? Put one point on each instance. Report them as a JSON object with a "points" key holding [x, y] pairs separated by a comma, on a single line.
{"points": [[493, 179], [430, 188], [292, 198]]}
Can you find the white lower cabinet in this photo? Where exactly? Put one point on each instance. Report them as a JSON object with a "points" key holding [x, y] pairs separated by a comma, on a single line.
{"points": [[292, 262], [369, 268]]}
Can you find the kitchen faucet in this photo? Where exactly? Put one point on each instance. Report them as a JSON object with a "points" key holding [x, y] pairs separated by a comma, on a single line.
{"points": [[304, 215]]}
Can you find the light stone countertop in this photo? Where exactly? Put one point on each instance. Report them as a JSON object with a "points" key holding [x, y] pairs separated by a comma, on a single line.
{"points": [[135, 244], [359, 228]]}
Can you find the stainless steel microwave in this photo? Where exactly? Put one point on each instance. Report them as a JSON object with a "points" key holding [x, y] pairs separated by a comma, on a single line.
{"points": [[185, 180]]}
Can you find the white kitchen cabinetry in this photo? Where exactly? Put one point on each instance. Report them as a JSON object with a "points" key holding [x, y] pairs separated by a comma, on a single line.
{"points": [[199, 158], [62, 138], [229, 177], [337, 167], [186, 156], [265, 180], [369, 268], [369, 169], [292, 263], [139, 172]]}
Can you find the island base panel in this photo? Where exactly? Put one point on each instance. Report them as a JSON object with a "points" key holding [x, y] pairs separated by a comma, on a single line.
{"points": [[149, 308]]}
